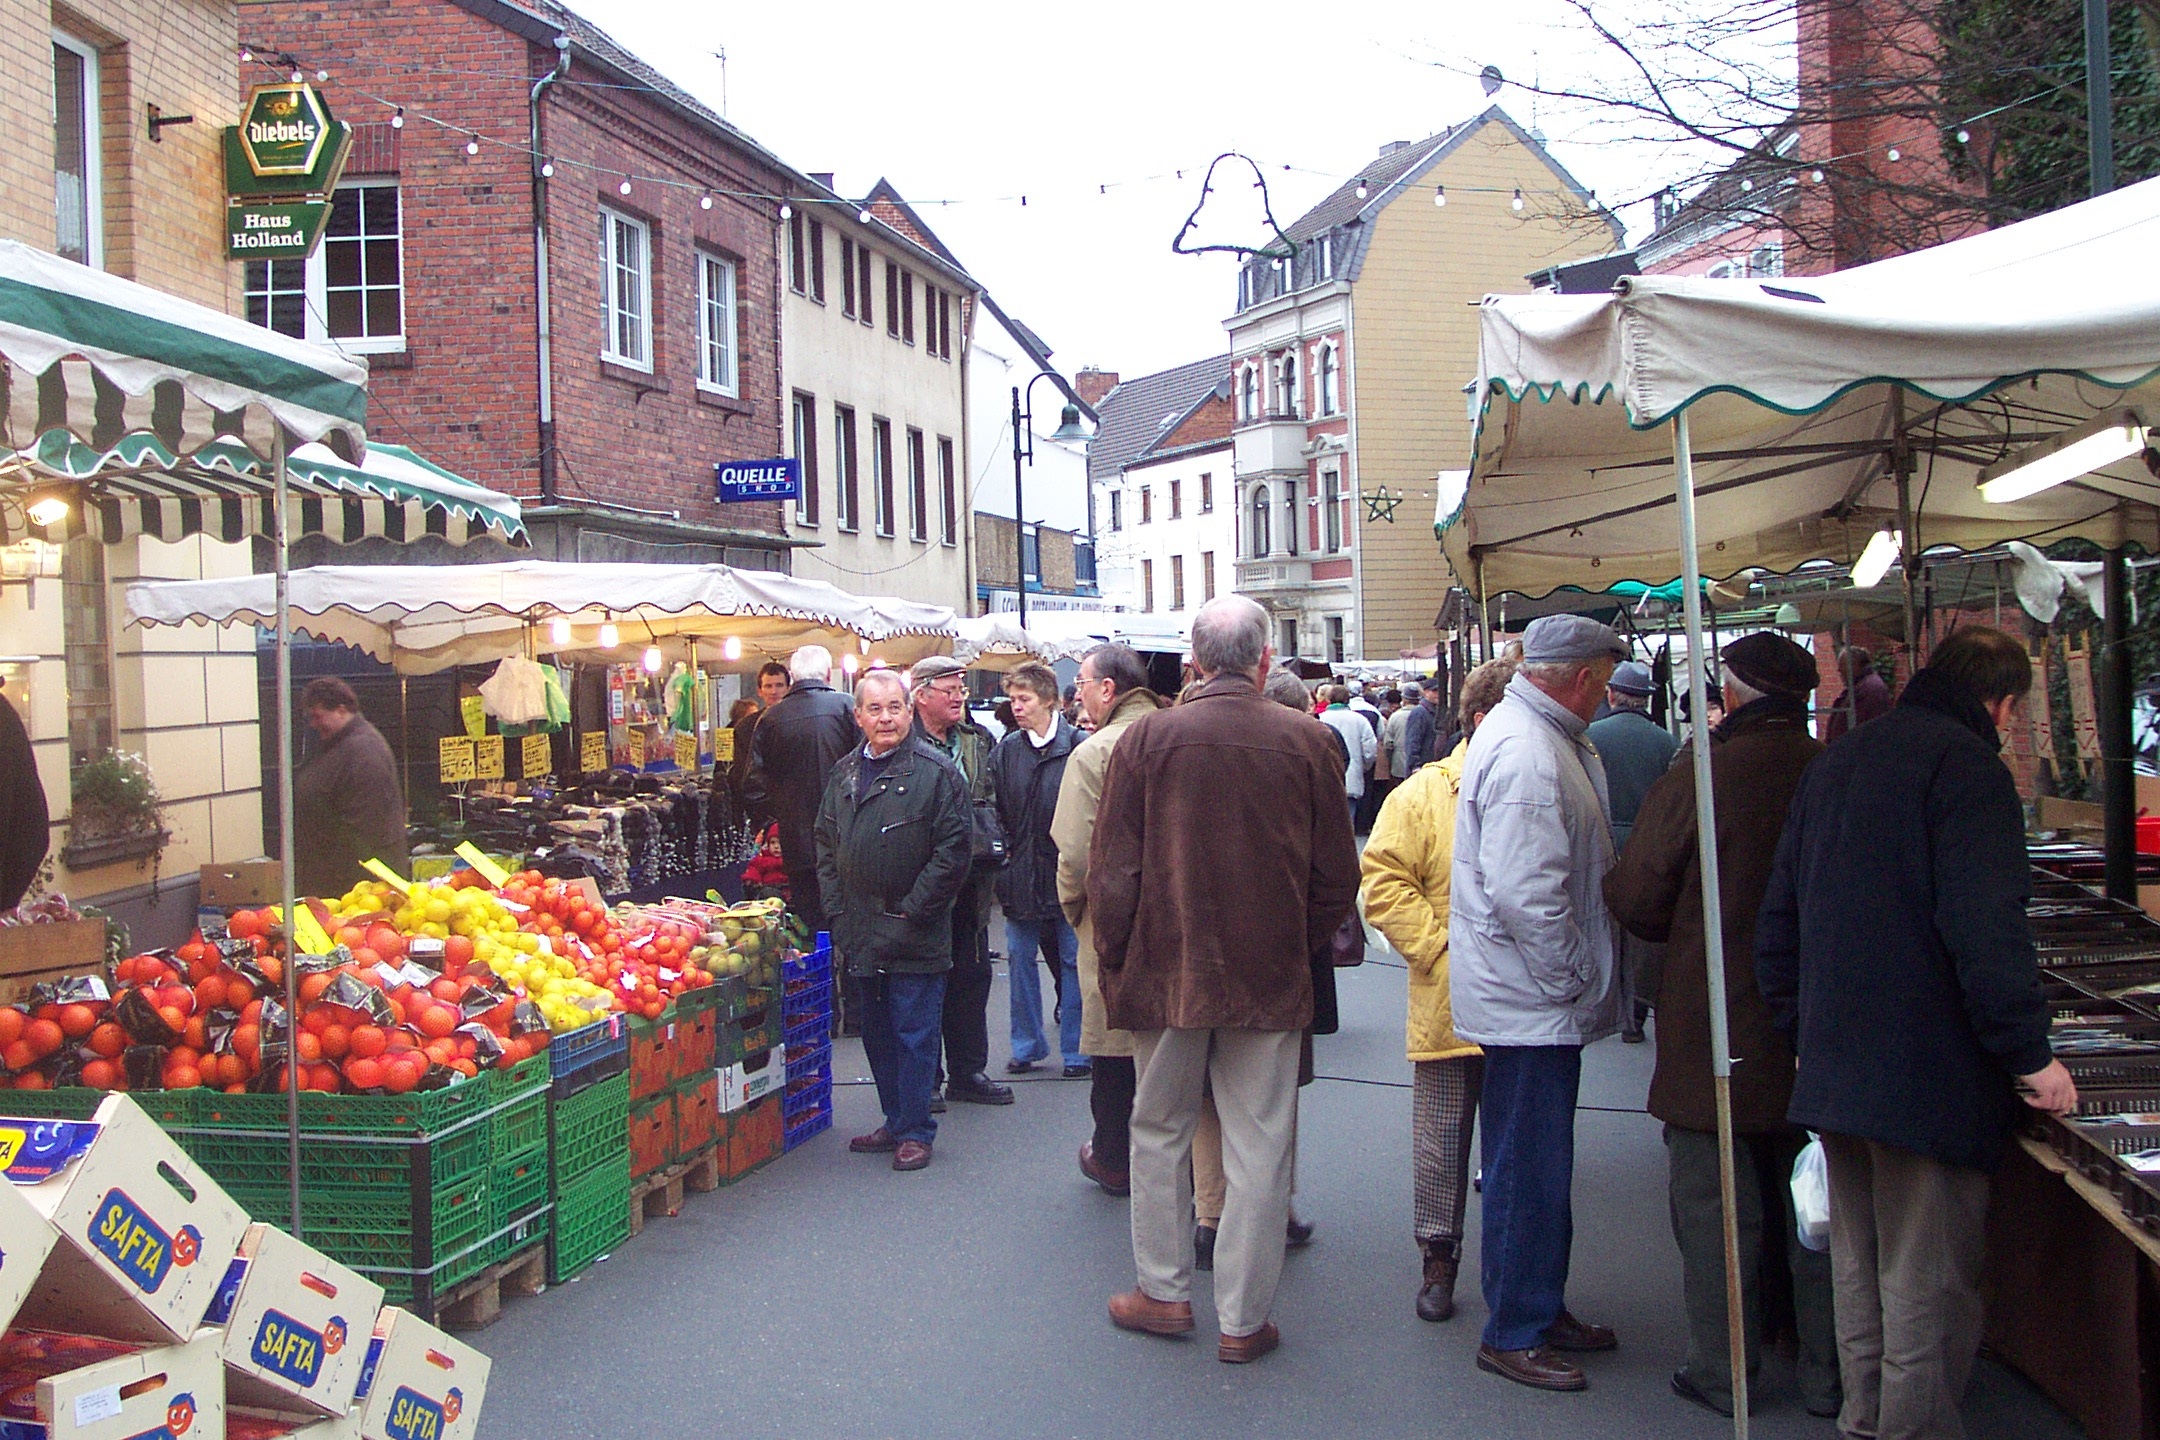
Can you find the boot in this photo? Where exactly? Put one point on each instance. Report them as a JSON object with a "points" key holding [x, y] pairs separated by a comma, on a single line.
{"points": [[1436, 1296]]}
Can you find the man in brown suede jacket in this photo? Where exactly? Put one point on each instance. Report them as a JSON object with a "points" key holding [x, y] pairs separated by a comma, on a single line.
{"points": [[1222, 861]]}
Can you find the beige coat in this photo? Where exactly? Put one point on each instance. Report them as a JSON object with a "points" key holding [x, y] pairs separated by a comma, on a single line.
{"points": [[1072, 828]]}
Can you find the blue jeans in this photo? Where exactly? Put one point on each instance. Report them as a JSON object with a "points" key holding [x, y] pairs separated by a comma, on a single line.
{"points": [[1526, 1123], [900, 1025], [1024, 940]]}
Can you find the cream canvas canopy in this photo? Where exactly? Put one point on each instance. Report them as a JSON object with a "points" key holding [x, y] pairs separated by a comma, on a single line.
{"points": [[1807, 399]]}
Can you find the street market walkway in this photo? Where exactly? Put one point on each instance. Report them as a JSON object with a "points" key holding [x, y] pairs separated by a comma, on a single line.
{"points": [[830, 1297]]}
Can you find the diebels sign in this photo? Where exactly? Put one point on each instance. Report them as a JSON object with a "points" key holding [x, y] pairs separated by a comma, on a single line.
{"points": [[282, 163], [758, 479]]}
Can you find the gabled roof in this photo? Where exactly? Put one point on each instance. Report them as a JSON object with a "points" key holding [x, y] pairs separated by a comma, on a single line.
{"points": [[1143, 410]]}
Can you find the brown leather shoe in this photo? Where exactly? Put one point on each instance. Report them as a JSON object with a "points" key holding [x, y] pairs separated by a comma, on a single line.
{"points": [[877, 1142], [1580, 1337], [1436, 1296], [1538, 1367], [1244, 1349], [912, 1155], [1113, 1182], [1135, 1309]]}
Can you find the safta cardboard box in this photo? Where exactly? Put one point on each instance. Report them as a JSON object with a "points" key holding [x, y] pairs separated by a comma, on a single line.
{"points": [[420, 1384], [144, 1235], [175, 1391], [296, 1326], [26, 1242]]}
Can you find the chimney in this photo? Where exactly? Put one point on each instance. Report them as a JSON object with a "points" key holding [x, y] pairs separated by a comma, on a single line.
{"points": [[1392, 146], [823, 177], [1093, 384]]}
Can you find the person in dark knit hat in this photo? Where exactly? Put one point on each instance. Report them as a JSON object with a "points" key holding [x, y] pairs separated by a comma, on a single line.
{"points": [[1655, 892], [1636, 751]]}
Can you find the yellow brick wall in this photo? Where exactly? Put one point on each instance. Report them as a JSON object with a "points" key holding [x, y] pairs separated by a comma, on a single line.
{"points": [[1414, 347]]}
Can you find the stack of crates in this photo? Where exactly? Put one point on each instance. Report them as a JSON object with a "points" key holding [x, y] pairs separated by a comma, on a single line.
{"points": [[651, 1115], [694, 1083], [589, 1146], [518, 1155], [807, 981]]}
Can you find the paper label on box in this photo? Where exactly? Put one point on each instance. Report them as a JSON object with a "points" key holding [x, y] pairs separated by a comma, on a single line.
{"points": [[33, 1154], [293, 1351], [93, 1406]]}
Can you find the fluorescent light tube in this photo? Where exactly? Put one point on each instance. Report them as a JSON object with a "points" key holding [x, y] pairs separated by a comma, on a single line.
{"points": [[2089, 447], [1875, 561]]}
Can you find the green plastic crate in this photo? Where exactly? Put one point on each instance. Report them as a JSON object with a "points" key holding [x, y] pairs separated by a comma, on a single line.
{"points": [[393, 1164], [526, 1076], [519, 1125], [414, 1251], [591, 1218], [422, 1112], [589, 1131], [80, 1102], [518, 1194]]}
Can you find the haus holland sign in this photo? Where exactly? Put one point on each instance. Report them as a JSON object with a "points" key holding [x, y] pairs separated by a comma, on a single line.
{"points": [[282, 164]]}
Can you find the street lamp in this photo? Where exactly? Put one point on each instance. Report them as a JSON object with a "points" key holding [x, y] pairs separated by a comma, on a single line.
{"points": [[1023, 420]]}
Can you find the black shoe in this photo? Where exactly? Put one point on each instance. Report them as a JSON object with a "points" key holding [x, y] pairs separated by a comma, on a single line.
{"points": [[978, 1090], [1687, 1389], [937, 1102], [1078, 1072], [1632, 1037], [1203, 1247], [1019, 1067], [1297, 1234]]}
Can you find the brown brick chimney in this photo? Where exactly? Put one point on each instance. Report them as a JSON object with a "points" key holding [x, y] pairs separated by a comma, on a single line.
{"points": [[1093, 384]]}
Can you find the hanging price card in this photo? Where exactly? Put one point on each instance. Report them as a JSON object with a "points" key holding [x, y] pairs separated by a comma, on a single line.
{"points": [[592, 750], [539, 755], [474, 713], [723, 746], [685, 751], [455, 755], [488, 757]]}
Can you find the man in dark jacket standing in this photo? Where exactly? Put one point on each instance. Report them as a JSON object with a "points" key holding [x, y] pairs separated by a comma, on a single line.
{"points": [[1655, 892], [25, 824], [1421, 732], [1222, 862], [892, 854], [798, 741], [1027, 767], [1892, 948], [347, 803], [1637, 752]]}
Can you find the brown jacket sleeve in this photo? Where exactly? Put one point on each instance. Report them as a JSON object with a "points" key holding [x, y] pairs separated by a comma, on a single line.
{"points": [[1332, 881], [1643, 887], [1113, 882]]}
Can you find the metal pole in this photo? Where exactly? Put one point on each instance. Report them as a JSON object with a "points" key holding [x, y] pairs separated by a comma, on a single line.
{"points": [[285, 827], [1019, 516], [2099, 98], [1713, 919], [1901, 462], [2118, 783]]}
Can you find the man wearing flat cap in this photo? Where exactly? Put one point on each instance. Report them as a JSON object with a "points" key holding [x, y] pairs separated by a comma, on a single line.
{"points": [[1655, 891], [1532, 959]]}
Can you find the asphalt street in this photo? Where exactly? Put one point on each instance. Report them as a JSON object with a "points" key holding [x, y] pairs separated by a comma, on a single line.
{"points": [[829, 1296]]}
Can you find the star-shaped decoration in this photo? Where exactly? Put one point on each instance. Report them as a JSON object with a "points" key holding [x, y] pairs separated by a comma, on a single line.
{"points": [[1380, 505]]}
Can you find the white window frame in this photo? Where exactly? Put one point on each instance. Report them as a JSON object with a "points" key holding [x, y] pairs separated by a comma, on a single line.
{"points": [[612, 224], [1249, 391], [1327, 369], [315, 286], [1324, 258], [93, 148], [718, 373], [1287, 383]]}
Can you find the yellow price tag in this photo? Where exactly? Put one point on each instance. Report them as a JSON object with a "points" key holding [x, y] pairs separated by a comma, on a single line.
{"points": [[488, 757], [637, 748], [723, 745], [686, 752], [308, 934], [539, 755], [388, 876], [592, 750], [474, 712], [455, 755], [474, 856]]}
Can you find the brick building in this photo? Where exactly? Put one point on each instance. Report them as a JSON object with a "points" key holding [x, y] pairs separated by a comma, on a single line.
{"points": [[510, 156]]}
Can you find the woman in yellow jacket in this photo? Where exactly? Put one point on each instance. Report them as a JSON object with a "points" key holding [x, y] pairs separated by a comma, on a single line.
{"points": [[1406, 867]]}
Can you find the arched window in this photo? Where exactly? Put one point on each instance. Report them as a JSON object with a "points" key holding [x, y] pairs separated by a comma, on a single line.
{"points": [[1330, 383], [1260, 509], [1288, 403], [1291, 520], [1252, 393]]}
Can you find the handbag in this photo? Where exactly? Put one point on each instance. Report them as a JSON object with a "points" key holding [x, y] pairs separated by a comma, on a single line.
{"points": [[1326, 1017], [987, 847], [1347, 948]]}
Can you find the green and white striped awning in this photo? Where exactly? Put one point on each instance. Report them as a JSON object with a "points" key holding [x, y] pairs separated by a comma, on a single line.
{"points": [[104, 358], [224, 491]]}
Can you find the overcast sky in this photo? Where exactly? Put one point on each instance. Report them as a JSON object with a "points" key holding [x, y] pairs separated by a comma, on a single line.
{"points": [[1092, 112]]}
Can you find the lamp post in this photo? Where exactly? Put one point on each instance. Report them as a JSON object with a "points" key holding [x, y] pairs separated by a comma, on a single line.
{"points": [[1023, 420]]}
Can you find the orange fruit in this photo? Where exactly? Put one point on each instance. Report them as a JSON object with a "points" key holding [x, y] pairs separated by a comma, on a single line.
{"points": [[77, 1021], [364, 1074], [44, 1037], [369, 1041], [108, 1040]]}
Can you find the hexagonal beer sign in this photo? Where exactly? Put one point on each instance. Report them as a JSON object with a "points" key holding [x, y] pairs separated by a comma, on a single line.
{"points": [[283, 129]]}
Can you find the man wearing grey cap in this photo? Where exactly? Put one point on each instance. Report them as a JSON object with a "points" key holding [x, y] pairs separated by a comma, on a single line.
{"points": [[1636, 751], [1532, 960]]}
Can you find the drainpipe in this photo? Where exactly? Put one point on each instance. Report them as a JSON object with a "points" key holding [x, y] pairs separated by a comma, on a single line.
{"points": [[540, 273]]}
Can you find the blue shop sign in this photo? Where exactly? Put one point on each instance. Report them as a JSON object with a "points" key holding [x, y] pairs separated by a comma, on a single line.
{"points": [[757, 479]]}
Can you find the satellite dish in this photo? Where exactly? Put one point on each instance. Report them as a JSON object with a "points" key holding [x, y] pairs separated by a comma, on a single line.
{"points": [[1491, 78]]}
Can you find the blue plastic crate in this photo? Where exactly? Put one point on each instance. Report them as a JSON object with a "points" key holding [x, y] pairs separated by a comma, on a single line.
{"points": [[807, 1092], [811, 1029], [807, 1060], [812, 965], [589, 1054], [807, 1126], [809, 1002]]}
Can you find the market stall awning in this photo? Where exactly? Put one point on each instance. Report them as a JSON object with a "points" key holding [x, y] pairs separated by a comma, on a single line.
{"points": [[1801, 393], [224, 490], [997, 642], [422, 619], [102, 358]]}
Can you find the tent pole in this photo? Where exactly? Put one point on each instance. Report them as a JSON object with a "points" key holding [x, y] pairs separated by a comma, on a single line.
{"points": [[1484, 614], [2118, 783], [286, 878], [1713, 918], [1901, 462]]}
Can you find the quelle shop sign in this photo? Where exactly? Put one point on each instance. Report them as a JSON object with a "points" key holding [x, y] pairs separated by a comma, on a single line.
{"points": [[757, 479]]}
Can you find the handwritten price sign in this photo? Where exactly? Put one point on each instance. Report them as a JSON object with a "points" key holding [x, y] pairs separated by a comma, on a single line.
{"points": [[454, 753]]}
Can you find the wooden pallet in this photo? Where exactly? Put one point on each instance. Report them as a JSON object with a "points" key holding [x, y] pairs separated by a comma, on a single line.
{"points": [[661, 1193], [477, 1303]]}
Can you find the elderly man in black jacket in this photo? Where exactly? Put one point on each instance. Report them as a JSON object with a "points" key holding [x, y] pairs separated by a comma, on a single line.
{"points": [[1027, 767], [1892, 948], [892, 854], [792, 755]]}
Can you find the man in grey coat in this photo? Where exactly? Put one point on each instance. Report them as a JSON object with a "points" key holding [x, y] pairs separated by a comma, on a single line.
{"points": [[1532, 959]]}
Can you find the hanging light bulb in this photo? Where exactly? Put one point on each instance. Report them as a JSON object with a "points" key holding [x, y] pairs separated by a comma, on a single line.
{"points": [[48, 510], [322, 77], [1816, 176], [472, 147], [653, 659], [850, 663], [787, 212], [624, 188], [298, 78], [1516, 203], [1361, 187], [704, 202], [610, 636], [397, 120], [864, 214], [1895, 154], [559, 630], [247, 56], [731, 647], [1964, 136], [547, 169], [1439, 195], [1747, 187]]}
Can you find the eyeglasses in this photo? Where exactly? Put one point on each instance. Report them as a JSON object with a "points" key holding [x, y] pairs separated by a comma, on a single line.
{"points": [[936, 688]]}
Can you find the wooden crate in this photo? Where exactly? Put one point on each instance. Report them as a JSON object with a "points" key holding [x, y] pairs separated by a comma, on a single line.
{"points": [[30, 954]]}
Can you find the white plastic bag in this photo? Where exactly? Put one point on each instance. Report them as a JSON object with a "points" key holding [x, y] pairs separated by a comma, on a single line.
{"points": [[516, 693], [1811, 1195]]}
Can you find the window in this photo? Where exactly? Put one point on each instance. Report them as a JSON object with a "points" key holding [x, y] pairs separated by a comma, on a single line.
{"points": [[848, 509], [944, 325], [907, 307], [1177, 498], [1768, 261], [948, 493], [847, 277], [1282, 275], [918, 477], [1287, 404], [1331, 511], [1177, 582], [1147, 585], [798, 254], [1335, 640], [78, 180], [817, 261], [85, 623], [1147, 503], [1117, 510], [1286, 636], [351, 289], [1290, 517], [881, 476], [1207, 576], [805, 417], [626, 282], [1031, 555], [1244, 289], [1324, 257], [1207, 492], [716, 327], [862, 282], [892, 299], [1250, 401], [1330, 378], [1258, 535]]}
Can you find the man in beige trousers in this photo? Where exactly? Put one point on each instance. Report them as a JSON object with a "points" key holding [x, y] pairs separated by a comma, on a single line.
{"points": [[1222, 862], [1113, 692]]}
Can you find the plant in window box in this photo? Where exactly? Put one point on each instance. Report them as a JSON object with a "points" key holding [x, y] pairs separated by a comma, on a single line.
{"points": [[117, 812]]}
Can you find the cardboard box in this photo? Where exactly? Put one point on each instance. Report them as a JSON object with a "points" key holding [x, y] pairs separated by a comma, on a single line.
{"points": [[26, 1242], [242, 882], [248, 1423], [419, 1383], [740, 1085], [145, 1236], [293, 1320], [31, 954], [167, 1390]]}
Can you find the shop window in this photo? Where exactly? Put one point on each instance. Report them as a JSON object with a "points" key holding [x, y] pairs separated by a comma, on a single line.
{"points": [[626, 283], [805, 418], [716, 330], [351, 291], [78, 205]]}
